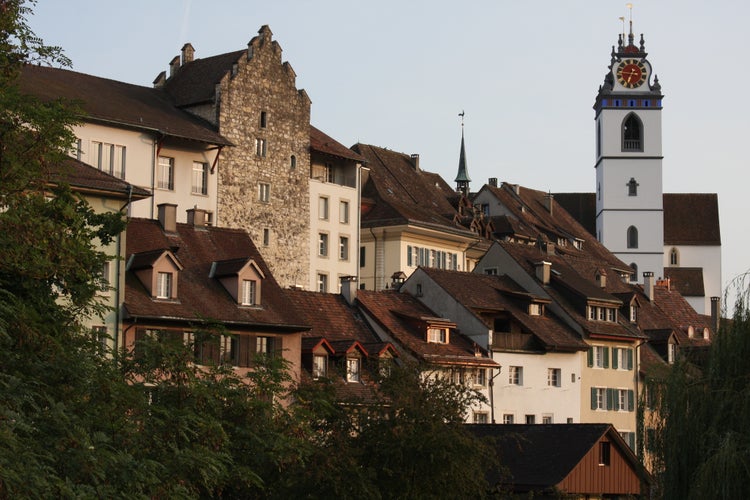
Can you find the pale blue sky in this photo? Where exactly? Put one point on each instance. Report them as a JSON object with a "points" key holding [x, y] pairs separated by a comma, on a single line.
{"points": [[397, 73]]}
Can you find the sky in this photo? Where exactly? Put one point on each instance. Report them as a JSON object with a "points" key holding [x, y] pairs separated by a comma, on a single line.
{"points": [[397, 73]]}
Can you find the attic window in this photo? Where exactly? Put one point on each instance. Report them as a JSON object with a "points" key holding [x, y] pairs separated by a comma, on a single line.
{"points": [[437, 335], [249, 292], [164, 286], [633, 313], [600, 313], [320, 366], [352, 369], [536, 309]]}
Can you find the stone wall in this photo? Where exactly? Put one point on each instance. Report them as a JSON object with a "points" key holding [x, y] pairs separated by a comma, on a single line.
{"points": [[263, 84]]}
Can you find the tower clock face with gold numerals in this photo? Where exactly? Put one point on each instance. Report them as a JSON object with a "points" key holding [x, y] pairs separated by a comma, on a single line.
{"points": [[631, 73]]}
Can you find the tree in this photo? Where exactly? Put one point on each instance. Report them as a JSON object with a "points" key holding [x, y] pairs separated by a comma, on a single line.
{"points": [[702, 444]]}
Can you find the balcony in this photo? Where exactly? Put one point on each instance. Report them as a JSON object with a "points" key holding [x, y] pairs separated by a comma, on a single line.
{"points": [[505, 341]]}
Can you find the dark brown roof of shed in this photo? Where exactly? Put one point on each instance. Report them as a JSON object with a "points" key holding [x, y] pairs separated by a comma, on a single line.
{"points": [[113, 102]]}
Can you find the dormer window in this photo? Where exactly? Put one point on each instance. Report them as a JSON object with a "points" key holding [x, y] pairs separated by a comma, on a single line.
{"points": [[437, 335], [536, 309], [242, 278], [601, 313], [164, 286], [353, 369], [319, 366], [633, 313], [249, 292]]}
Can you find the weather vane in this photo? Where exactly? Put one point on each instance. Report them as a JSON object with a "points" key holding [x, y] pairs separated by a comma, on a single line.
{"points": [[461, 114]]}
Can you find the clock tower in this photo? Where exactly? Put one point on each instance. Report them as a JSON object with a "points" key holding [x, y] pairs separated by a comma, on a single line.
{"points": [[629, 211]]}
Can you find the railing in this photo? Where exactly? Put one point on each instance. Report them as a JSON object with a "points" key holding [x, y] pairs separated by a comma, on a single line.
{"points": [[632, 145], [511, 341]]}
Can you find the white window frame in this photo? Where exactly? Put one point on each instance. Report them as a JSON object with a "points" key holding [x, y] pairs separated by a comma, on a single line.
{"points": [[601, 398], [264, 192], [200, 178], [343, 212], [249, 292], [109, 158], [261, 147], [319, 366], [515, 375], [353, 366], [322, 282], [508, 418], [554, 377], [437, 335], [343, 248], [165, 177], [598, 357], [323, 208], [480, 417], [322, 244], [164, 285]]}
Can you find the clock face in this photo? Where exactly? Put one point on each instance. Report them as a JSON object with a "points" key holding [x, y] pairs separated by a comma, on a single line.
{"points": [[631, 73]]}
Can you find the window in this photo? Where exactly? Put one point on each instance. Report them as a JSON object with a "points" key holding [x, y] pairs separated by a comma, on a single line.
{"points": [[323, 208], [292, 162], [322, 244], [598, 356], [634, 274], [437, 335], [536, 309], [674, 257], [553, 377], [320, 366], [671, 350], [480, 377], [249, 291], [264, 192], [622, 358], [101, 336], [362, 256], [330, 175], [490, 271], [343, 248], [604, 453], [263, 119], [322, 283], [480, 417], [633, 313], [629, 437], [104, 285], [352, 369], [164, 286], [108, 158], [546, 419], [632, 187], [611, 314], [344, 212], [260, 147], [200, 178], [515, 375], [166, 173], [508, 418], [598, 398], [530, 419], [264, 345], [632, 237], [632, 133], [485, 207], [266, 237]]}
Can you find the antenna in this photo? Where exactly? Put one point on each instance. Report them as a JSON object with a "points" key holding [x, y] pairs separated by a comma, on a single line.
{"points": [[630, 9]]}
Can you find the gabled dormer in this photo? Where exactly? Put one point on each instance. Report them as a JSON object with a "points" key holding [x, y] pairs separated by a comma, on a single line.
{"points": [[242, 278], [316, 352], [158, 271], [351, 354]]}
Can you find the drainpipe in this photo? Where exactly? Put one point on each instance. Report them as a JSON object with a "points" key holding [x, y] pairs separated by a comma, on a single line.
{"points": [[492, 394], [118, 276]]}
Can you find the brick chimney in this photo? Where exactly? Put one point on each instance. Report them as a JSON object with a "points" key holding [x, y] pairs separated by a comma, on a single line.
{"points": [[543, 269], [196, 217], [168, 217], [188, 53], [715, 313], [648, 285], [415, 161], [349, 288]]}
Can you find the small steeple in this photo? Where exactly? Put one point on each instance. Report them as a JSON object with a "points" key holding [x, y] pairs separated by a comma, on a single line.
{"points": [[462, 178]]}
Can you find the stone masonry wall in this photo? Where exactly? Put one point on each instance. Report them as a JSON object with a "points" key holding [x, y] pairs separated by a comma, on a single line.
{"points": [[262, 83]]}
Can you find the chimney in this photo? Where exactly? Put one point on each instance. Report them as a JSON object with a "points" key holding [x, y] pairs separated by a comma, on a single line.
{"points": [[415, 161], [397, 279], [550, 248], [349, 288], [543, 269], [548, 198], [160, 80], [168, 217], [648, 285], [188, 53], [493, 182], [196, 217], [174, 65], [601, 278], [715, 313]]}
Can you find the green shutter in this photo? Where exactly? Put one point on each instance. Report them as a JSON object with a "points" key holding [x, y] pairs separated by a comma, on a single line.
{"points": [[591, 357], [593, 398], [630, 359], [606, 357], [614, 357], [631, 400], [610, 399]]}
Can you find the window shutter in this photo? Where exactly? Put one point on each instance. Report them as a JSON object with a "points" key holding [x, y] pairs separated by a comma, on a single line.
{"points": [[630, 359], [245, 355], [593, 398], [631, 400], [591, 357], [614, 357], [606, 357], [610, 399]]}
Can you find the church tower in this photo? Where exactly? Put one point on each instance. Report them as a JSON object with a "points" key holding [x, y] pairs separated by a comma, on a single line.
{"points": [[629, 211]]}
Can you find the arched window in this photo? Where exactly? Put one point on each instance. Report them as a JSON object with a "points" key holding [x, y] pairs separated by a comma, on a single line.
{"points": [[632, 187], [634, 274], [674, 257], [632, 237], [632, 133]]}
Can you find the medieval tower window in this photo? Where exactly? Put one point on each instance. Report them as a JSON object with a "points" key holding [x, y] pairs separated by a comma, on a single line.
{"points": [[674, 257], [293, 162], [632, 187], [632, 133], [632, 237], [263, 119]]}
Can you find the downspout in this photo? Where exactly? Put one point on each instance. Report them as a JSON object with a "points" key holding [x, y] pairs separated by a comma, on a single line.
{"points": [[156, 150], [118, 276], [374, 260], [492, 394]]}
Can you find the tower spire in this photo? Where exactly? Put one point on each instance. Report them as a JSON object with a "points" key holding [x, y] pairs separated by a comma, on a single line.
{"points": [[462, 178]]}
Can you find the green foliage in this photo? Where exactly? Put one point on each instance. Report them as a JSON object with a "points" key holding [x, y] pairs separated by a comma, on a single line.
{"points": [[702, 446]]}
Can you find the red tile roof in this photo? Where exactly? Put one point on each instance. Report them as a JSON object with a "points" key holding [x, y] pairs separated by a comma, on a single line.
{"points": [[325, 144]]}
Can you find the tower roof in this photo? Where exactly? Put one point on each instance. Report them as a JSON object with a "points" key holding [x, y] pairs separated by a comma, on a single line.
{"points": [[463, 173]]}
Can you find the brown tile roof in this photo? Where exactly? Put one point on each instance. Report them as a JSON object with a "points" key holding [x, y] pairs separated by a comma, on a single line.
{"points": [[682, 316], [403, 194], [87, 179], [199, 296], [195, 82], [482, 293], [687, 280], [396, 313], [112, 102], [691, 219], [325, 144], [582, 207]]}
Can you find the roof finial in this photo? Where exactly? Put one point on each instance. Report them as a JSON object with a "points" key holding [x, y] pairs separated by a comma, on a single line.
{"points": [[630, 35], [461, 114]]}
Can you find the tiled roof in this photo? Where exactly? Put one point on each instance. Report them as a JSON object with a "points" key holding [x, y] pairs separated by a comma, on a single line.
{"points": [[195, 82], [687, 280], [582, 207], [481, 293], [682, 315], [691, 219], [87, 179], [539, 457], [113, 102], [392, 311], [403, 194], [322, 143], [199, 296]]}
